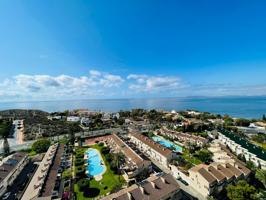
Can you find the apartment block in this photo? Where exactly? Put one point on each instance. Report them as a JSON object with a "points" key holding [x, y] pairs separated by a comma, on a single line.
{"points": [[212, 179], [162, 187], [134, 163], [152, 149], [10, 168]]}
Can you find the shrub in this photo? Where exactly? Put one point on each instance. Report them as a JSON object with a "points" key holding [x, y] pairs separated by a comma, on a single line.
{"points": [[79, 161], [80, 171], [67, 174], [105, 150], [83, 184], [41, 145], [101, 144]]}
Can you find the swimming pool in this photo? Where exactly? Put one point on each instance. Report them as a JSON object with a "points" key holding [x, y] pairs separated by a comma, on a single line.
{"points": [[166, 143], [95, 163]]}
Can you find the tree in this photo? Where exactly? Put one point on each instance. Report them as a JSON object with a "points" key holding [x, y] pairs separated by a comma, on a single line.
{"points": [[204, 155], [83, 184], [241, 191], [105, 150], [41, 145], [191, 147], [73, 128], [5, 128], [241, 157], [6, 147], [251, 165], [260, 195], [242, 122], [264, 117], [117, 160], [67, 174], [210, 198], [228, 121], [261, 176], [143, 174]]}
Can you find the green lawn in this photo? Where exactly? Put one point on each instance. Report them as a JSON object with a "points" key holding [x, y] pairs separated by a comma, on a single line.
{"points": [[29, 151], [190, 158], [109, 181]]}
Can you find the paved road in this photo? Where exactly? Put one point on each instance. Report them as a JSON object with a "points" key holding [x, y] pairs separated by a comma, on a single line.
{"points": [[21, 181]]}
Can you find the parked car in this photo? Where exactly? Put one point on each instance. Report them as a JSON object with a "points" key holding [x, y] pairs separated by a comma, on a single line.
{"points": [[6, 195]]}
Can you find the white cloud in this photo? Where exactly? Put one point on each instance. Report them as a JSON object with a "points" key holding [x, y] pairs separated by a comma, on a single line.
{"points": [[106, 85], [63, 86], [145, 83], [95, 73], [110, 80]]}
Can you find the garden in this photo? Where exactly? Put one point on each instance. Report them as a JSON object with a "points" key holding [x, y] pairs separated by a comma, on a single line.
{"points": [[86, 188]]}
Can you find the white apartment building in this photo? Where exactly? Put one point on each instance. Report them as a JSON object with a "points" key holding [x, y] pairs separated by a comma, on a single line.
{"points": [[237, 148], [182, 137], [152, 149], [10, 168], [73, 119]]}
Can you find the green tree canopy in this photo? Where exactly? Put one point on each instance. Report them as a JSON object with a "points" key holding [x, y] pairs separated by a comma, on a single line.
{"points": [[41, 145], [242, 122], [241, 191], [261, 176], [83, 184], [204, 155]]}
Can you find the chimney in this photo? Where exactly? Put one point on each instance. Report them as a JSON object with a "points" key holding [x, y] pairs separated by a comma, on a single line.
{"points": [[141, 189], [163, 180]]}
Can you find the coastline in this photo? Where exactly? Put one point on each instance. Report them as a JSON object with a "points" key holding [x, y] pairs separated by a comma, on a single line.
{"points": [[242, 107]]}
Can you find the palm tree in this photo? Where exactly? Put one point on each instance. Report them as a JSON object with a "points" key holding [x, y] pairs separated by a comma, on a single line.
{"points": [[6, 147], [118, 160], [210, 198], [261, 176]]}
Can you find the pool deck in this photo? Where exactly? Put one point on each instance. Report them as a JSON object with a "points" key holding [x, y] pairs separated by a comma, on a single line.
{"points": [[175, 143], [97, 177]]}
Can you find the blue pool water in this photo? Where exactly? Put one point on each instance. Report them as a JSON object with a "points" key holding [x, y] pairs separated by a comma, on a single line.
{"points": [[166, 143], [95, 162]]}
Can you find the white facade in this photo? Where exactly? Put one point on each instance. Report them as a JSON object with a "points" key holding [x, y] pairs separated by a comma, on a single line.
{"points": [[73, 119], [163, 159], [212, 179], [238, 149]]}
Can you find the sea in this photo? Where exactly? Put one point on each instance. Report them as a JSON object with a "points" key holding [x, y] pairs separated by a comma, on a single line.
{"points": [[246, 107]]}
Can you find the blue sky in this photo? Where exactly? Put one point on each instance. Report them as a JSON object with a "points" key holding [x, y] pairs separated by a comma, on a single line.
{"points": [[122, 49]]}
